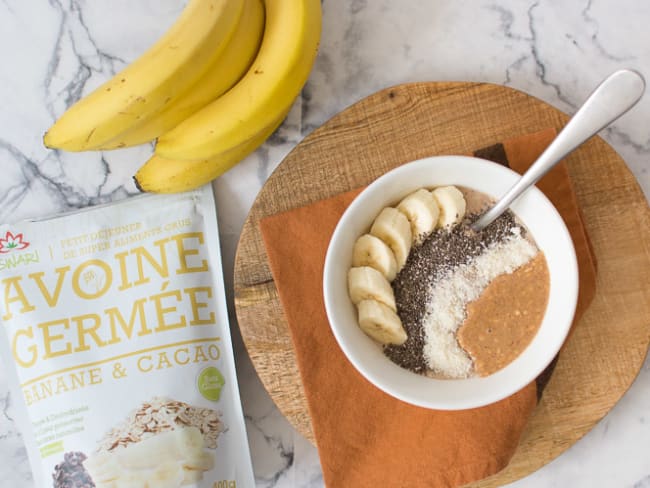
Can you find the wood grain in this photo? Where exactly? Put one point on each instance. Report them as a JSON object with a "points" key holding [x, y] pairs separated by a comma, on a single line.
{"points": [[609, 345]]}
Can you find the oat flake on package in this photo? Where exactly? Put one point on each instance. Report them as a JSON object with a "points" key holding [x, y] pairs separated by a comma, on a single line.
{"points": [[117, 344]]}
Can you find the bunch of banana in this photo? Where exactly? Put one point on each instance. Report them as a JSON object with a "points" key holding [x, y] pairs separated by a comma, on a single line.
{"points": [[377, 257], [211, 91], [165, 73]]}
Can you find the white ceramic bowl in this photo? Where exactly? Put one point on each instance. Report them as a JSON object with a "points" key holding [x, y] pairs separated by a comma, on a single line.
{"points": [[547, 228]]}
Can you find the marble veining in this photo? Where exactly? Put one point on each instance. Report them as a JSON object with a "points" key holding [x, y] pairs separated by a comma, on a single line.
{"points": [[56, 51]]}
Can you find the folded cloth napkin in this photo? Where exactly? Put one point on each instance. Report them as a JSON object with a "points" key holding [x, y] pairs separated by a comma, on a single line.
{"points": [[365, 437]]}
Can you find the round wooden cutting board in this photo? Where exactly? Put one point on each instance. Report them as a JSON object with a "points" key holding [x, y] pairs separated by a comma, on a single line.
{"points": [[408, 122]]}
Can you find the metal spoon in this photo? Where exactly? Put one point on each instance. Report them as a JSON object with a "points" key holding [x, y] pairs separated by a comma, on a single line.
{"points": [[618, 93]]}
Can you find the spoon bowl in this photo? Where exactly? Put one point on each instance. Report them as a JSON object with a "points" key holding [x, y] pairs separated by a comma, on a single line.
{"points": [[617, 94], [546, 227]]}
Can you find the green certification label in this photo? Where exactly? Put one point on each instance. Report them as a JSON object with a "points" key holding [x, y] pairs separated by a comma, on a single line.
{"points": [[210, 383]]}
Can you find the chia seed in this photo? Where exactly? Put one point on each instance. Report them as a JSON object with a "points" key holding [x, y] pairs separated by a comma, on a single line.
{"points": [[70, 473], [441, 252]]}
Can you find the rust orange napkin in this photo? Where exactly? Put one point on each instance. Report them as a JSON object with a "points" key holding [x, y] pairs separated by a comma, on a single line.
{"points": [[365, 437]]}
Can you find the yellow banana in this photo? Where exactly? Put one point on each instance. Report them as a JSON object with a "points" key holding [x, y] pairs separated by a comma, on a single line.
{"points": [[227, 69], [161, 175], [143, 88], [282, 66]]}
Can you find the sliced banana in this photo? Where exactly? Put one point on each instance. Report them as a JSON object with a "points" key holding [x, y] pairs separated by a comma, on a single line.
{"points": [[381, 323], [164, 460], [102, 467], [101, 484], [392, 227], [372, 251], [366, 283], [451, 203], [203, 461], [191, 476], [169, 475], [162, 448], [422, 212]]}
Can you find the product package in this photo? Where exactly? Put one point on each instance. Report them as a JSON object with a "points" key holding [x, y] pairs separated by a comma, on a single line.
{"points": [[117, 346]]}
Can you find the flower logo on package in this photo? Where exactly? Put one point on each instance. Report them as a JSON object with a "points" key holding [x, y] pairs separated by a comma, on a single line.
{"points": [[12, 242]]}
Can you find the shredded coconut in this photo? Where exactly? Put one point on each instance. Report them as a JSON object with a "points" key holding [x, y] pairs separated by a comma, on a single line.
{"points": [[448, 298]]}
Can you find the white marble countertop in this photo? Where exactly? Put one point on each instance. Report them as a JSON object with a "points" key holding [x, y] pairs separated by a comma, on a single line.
{"points": [[54, 51]]}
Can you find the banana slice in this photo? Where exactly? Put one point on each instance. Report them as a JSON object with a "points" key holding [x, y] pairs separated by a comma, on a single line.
{"points": [[161, 448], [372, 251], [203, 461], [392, 227], [367, 283], [451, 203], [191, 476], [422, 212], [101, 484], [169, 475], [103, 467], [381, 323]]}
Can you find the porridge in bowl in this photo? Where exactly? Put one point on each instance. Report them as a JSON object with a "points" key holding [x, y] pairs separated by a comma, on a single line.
{"points": [[445, 301]]}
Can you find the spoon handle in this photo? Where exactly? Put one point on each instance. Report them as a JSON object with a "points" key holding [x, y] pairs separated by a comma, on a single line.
{"points": [[611, 99]]}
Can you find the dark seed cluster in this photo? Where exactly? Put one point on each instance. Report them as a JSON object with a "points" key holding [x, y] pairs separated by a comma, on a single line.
{"points": [[70, 473], [440, 253]]}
